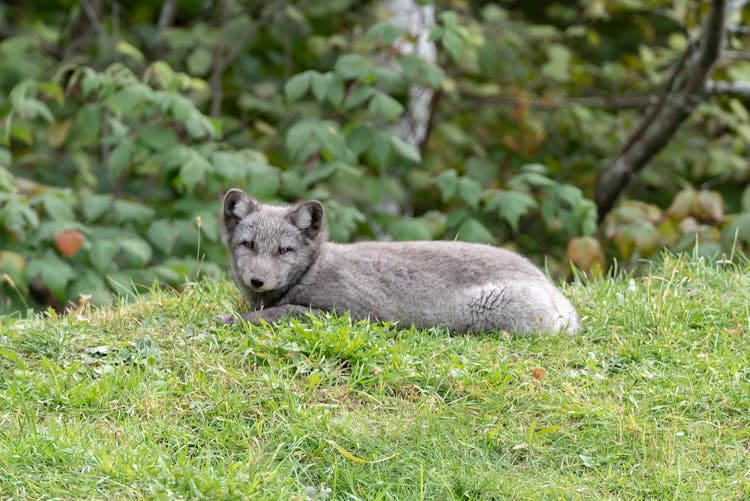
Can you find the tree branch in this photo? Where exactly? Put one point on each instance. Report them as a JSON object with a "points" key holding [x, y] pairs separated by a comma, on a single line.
{"points": [[685, 88], [733, 89], [223, 58], [92, 13], [608, 102], [430, 121], [166, 16]]}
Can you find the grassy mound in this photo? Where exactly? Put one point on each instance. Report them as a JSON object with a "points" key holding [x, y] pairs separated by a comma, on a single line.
{"points": [[154, 399]]}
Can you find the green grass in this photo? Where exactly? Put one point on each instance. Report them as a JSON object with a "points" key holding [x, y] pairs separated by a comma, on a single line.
{"points": [[155, 400]]}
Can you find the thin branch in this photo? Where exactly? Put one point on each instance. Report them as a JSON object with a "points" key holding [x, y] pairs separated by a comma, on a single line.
{"points": [[166, 16], [737, 29], [733, 89], [685, 88], [618, 102], [436, 96], [668, 90], [735, 55], [93, 16], [222, 58]]}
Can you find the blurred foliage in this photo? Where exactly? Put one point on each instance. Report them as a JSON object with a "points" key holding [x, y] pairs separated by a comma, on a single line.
{"points": [[122, 125]]}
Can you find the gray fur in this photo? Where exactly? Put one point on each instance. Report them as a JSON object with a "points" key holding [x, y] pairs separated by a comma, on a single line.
{"points": [[463, 286]]}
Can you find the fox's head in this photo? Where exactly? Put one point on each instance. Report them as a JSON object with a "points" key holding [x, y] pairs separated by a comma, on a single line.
{"points": [[270, 246]]}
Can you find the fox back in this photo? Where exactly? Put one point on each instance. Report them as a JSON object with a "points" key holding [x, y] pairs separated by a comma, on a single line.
{"points": [[282, 263]]}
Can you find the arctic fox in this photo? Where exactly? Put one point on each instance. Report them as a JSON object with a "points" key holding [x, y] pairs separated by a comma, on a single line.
{"points": [[283, 264]]}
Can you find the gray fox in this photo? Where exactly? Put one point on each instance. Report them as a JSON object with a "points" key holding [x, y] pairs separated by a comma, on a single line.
{"points": [[283, 264]]}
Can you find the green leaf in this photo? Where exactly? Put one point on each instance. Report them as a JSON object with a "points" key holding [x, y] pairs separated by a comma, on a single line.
{"points": [[199, 126], [360, 138], [264, 181], [53, 91], [384, 105], [469, 190], [209, 225], [13, 264], [320, 84], [384, 32], [472, 230], [527, 180], [91, 284], [123, 101], [406, 150], [320, 173], [300, 139], [332, 143], [297, 86], [127, 49], [335, 93], [571, 194], [557, 66], [737, 231], [117, 129], [168, 274], [101, 255], [588, 217], [411, 229], [358, 96], [131, 212], [22, 131], [293, 184], [511, 206], [121, 282], [5, 157], [194, 170], [53, 272], [535, 168], [35, 108], [186, 230], [380, 150], [449, 19], [433, 75], [353, 66], [17, 216], [447, 181], [162, 235], [157, 137], [119, 158], [58, 205], [229, 164], [136, 252], [199, 61], [183, 108], [89, 82], [88, 124], [746, 199], [453, 43], [456, 216], [95, 206], [389, 78]]}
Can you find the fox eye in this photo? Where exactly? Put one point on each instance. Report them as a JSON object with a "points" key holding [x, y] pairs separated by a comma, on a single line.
{"points": [[285, 250], [248, 244]]}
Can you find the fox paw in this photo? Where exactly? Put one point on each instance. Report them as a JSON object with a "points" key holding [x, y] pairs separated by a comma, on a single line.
{"points": [[225, 319], [251, 317]]}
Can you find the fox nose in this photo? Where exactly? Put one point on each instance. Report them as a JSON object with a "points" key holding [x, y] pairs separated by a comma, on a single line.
{"points": [[256, 282]]}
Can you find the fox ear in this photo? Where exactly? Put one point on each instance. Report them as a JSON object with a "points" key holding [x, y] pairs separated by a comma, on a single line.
{"points": [[308, 217], [237, 204]]}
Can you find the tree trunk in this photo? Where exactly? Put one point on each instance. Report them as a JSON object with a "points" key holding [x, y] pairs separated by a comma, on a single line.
{"points": [[685, 88], [417, 20]]}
